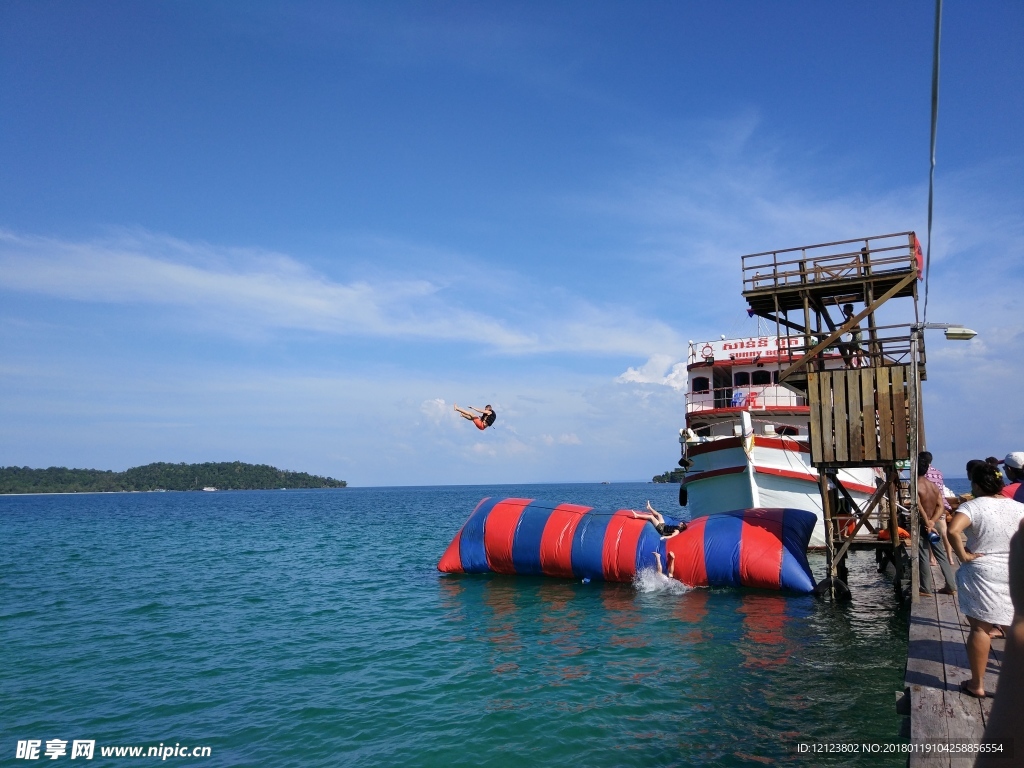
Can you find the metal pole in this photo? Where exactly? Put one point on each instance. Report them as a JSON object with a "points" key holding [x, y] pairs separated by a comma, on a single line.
{"points": [[914, 407], [830, 545]]}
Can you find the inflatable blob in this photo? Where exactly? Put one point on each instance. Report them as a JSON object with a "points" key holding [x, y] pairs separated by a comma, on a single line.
{"points": [[762, 548]]}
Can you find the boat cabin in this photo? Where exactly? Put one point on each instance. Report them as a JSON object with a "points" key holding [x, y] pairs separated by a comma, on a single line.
{"points": [[729, 376]]}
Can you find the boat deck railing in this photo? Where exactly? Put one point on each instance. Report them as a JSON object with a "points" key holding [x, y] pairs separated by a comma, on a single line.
{"points": [[743, 398]]}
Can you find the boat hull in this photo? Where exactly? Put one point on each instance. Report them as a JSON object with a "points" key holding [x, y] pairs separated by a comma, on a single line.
{"points": [[733, 474]]}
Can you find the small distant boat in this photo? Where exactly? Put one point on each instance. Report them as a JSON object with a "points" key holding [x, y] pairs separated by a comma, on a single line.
{"points": [[209, 488]]}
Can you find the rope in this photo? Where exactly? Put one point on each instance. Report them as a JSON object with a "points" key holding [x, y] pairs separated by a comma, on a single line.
{"points": [[931, 172]]}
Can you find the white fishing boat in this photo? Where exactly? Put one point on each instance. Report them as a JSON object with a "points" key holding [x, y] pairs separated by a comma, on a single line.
{"points": [[746, 441]]}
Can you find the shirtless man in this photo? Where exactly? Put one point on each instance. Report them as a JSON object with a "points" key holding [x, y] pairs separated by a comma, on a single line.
{"points": [[929, 502], [483, 421]]}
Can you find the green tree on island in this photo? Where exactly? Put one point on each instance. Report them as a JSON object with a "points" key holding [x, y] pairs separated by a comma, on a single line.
{"points": [[233, 476]]}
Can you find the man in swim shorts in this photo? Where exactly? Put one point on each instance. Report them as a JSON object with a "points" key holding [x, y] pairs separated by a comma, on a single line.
{"points": [[664, 530], [483, 421]]}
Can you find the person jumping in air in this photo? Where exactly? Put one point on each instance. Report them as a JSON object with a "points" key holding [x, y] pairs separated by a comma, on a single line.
{"points": [[656, 519], [483, 421]]}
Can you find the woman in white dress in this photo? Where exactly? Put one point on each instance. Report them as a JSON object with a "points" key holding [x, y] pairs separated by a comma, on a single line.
{"points": [[983, 581]]}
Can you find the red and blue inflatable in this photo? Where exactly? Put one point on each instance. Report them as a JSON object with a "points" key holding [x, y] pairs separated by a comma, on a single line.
{"points": [[762, 548]]}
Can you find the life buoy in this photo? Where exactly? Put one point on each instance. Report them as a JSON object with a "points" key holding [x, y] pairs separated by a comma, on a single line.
{"points": [[883, 535]]}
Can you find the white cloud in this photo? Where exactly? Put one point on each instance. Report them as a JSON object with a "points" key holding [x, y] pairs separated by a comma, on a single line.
{"points": [[659, 369], [436, 410], [231, 290]]}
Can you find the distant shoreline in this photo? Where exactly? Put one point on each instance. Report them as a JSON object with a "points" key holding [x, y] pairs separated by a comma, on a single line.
{"points": [[159, 477]]}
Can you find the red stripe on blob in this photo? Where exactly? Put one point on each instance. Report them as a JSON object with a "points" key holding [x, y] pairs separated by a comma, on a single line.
{"points": [[688, 548], [618, 557], [556, 541], [500, 532], [451, 560], [760, 552]]}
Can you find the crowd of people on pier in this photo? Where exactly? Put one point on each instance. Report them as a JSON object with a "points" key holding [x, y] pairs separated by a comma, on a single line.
{"points": [[984, 530]]}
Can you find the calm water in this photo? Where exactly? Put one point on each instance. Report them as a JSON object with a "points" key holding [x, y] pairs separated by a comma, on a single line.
{"points": [[311, 628]]}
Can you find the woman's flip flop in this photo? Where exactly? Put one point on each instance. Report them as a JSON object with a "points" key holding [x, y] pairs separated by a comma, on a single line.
{"points": [[964, 689]]}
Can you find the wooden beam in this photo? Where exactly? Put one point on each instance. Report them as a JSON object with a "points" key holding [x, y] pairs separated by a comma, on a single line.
{"points": [[855, 320], [876, 497], [792, 326]]}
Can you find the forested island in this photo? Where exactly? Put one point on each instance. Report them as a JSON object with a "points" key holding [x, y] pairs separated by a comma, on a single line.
{"points": [[224, 476], [672, 476]]}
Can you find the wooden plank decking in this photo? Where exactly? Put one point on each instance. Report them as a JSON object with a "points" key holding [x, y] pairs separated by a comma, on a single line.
{"points": [[936, 663]]}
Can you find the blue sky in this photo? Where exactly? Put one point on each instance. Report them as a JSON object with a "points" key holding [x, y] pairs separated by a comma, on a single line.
{"points": [[298, 233]]}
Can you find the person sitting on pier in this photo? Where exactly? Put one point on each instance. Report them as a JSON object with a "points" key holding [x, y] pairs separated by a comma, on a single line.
{"points": [[483, 421], [930, 506], [990, 521], [1013, 465], [658, 521]]}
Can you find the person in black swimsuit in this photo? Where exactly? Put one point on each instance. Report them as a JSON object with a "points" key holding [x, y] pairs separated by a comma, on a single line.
{"points": [[483, 421], [664, 530]]}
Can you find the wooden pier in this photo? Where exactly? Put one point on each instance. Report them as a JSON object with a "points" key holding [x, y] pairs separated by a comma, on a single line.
{"points": [[936, 663]]}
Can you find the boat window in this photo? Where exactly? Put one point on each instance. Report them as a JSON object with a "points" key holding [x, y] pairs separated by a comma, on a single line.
{"points": [[761, 376], [741, 379], [701, 384], [786, 429], [775, 377], [703, 431]]}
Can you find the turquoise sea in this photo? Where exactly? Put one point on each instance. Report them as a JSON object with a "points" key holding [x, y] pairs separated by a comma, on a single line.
{"points": [[311, 628]]}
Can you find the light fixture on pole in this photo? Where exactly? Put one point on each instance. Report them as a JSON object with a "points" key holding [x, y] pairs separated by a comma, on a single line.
{"points": [[953, 332]]}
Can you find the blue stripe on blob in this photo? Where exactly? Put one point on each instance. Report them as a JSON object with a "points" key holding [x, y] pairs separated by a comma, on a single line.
{"points": [[471, 542], [722, 549], [795, 574], [588, 545], [526, 543], [648, 543]]}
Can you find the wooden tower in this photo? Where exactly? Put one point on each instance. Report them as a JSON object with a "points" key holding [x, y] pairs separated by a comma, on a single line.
{"points": [[865, 404]]}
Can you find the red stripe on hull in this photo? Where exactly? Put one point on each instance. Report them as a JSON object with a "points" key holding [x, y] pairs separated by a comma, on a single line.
{"points": [[761, 553], [787, 473], [811, 478], [778, 443], [500, 532], [556, 541], [713, 473]]}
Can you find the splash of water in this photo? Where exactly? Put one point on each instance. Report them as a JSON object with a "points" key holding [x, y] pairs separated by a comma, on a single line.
{"points": [[649, 580]]}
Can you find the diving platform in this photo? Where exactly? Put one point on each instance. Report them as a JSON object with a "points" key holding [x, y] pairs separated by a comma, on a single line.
{"points": [[855, 271]]}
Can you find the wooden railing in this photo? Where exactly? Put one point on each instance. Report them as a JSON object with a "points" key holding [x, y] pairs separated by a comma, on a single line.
{"points": [[842, 260]]}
